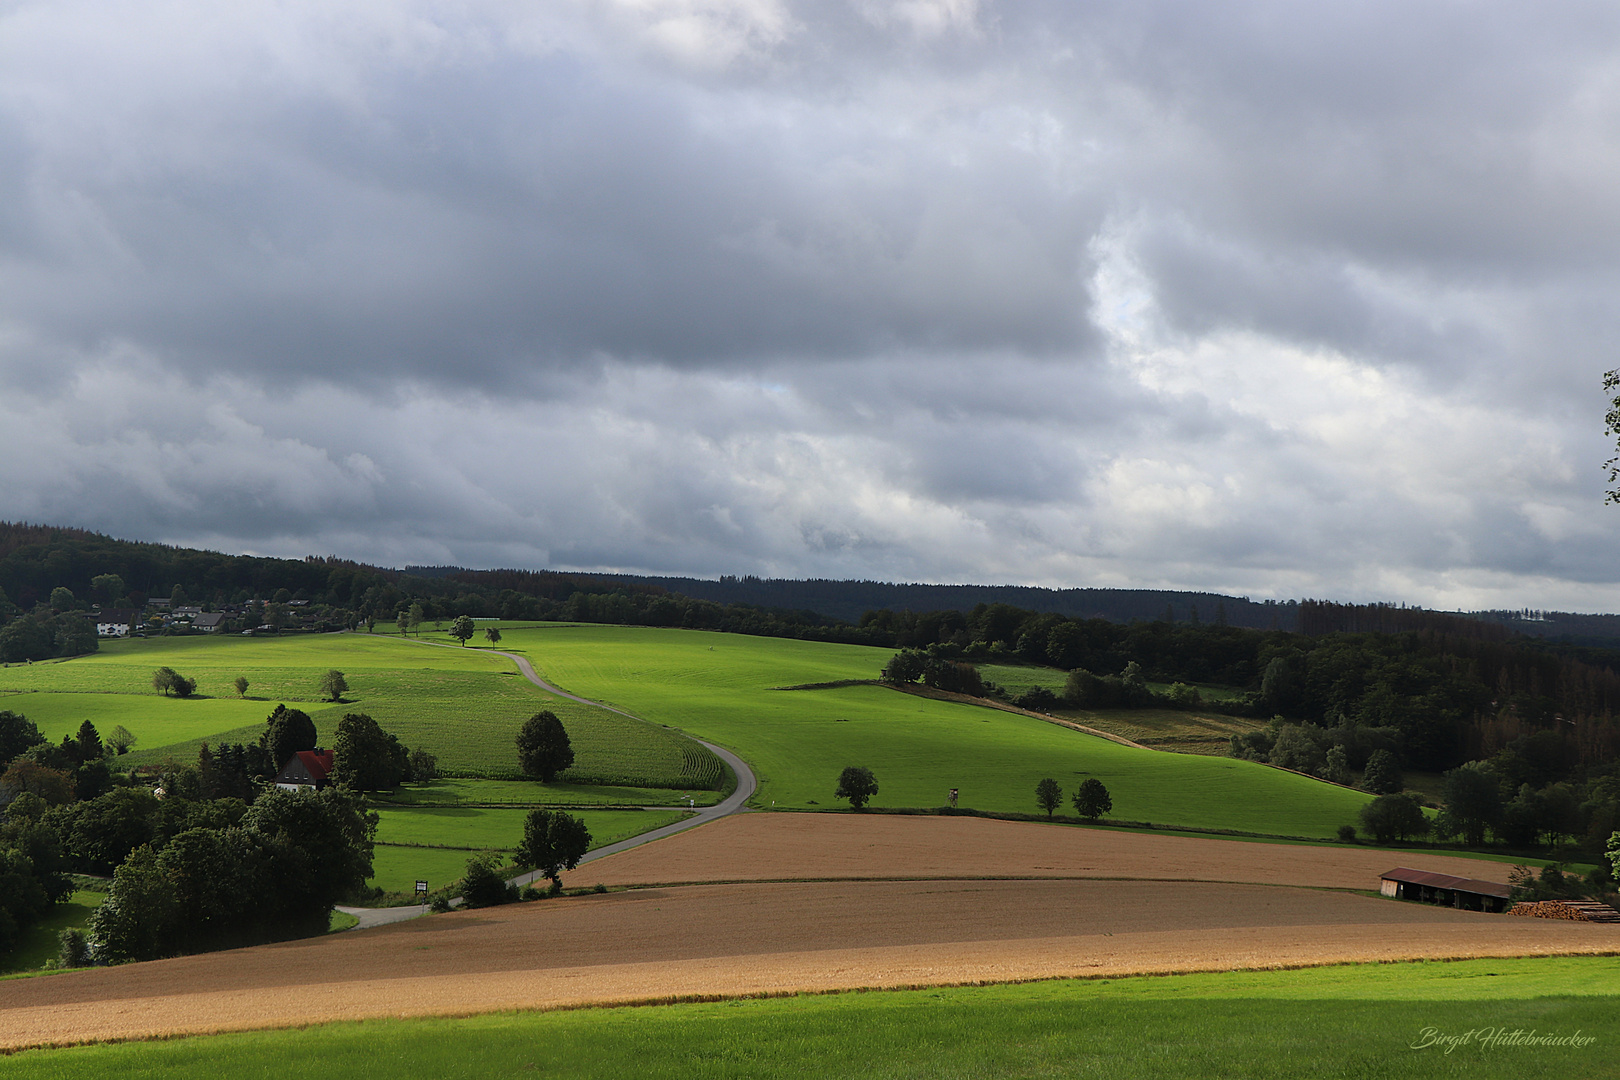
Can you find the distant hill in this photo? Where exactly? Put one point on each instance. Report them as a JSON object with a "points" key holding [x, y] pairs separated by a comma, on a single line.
{"points": [[36, 558], [849, 600]]}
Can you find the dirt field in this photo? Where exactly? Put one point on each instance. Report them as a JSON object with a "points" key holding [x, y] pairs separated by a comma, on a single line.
{"points": [[888, 905], [659, 943], [776, 847]]}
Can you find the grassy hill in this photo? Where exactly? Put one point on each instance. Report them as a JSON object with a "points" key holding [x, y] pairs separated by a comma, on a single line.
{"points": [[723, 687], [463, 705]]}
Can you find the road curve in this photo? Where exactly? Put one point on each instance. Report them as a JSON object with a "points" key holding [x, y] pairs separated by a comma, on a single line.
{"points": [[747, 784]]}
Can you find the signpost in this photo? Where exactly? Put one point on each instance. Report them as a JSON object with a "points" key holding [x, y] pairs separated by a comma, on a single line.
{"points": [[421, 887]]}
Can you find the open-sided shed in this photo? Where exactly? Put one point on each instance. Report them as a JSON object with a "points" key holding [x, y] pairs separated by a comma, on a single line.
{"points": [[1470, 894]]}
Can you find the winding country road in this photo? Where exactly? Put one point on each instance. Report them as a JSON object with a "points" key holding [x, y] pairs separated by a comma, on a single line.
{"points": [[746, 786]]}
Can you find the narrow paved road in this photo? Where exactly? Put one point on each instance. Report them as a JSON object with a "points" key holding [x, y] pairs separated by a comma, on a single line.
{"points": [[746, 785]]}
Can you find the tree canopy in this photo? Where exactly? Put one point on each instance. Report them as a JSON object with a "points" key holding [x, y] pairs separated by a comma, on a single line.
{"points": [[553, 841], [365, 757], [543, 746], [1092, 800], [857, 784]]}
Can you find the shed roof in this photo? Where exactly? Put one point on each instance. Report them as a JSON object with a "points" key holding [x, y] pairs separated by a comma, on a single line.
{"points": [[1447, 881]]}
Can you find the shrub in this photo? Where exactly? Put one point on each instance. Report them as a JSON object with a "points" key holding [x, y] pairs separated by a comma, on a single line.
{"points": [[1347, 834], [1036, 699], [74, 949], [483, 885]]}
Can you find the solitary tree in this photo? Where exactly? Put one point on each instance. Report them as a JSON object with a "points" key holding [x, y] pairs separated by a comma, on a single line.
{"points": [[492, 635], [121, 739], [462, 629], [403, 621], [857, 784], [333, 684], [241, 685], [1092, 800], [1048, 796], [416, 618], [543, 746], [553, 842]]}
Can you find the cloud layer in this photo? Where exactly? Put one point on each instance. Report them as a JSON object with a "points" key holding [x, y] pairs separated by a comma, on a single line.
{"points": [[1262, 298]]}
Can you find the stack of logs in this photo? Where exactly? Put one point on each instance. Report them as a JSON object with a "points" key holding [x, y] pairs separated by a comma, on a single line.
{"points": [[1573, 910]]}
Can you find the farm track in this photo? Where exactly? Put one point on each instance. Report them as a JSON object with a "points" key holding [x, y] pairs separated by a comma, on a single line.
{"points": [[731, 804], [664, 943]]}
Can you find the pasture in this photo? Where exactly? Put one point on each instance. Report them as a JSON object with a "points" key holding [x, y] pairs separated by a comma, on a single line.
{"points": [[1352, 1021], [434, 843], [462, 705], [722, 687]]}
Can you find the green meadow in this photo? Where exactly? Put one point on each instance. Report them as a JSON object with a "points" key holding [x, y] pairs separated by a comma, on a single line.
{"points": [[39, 942], [466, 791], [462, 705], [1378, 1020], [723, 687], [434, 843]]}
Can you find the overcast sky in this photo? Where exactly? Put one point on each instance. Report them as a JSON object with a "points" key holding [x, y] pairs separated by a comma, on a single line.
{"points": [[1276, 299]]}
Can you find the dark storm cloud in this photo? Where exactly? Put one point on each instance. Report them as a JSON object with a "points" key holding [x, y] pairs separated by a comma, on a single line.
{"points": [[1274, 298]]}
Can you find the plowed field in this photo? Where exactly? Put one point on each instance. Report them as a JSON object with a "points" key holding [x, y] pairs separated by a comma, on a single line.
{"points": [[659, 943], [777, 847]]}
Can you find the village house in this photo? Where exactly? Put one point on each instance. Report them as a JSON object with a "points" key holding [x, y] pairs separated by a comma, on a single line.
{"points": [[306, 768]]}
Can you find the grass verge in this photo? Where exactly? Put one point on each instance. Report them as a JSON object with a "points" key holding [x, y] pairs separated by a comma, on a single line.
{"points": [[1353, 1021]]}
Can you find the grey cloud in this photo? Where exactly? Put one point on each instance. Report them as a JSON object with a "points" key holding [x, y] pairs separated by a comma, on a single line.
{"points": [[1287, 300]]}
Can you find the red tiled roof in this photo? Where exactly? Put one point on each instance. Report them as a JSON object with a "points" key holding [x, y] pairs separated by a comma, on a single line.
{"points": [[318, 762]]}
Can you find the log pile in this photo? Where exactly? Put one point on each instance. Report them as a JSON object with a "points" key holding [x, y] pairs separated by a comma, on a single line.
{"points": [[1571, 910]]}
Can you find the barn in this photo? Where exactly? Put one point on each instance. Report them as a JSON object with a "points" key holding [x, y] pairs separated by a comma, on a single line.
{"points": [[1469, 894]]}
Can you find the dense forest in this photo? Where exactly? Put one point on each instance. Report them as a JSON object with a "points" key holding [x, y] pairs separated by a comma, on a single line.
{"points": [[1450, 688]]}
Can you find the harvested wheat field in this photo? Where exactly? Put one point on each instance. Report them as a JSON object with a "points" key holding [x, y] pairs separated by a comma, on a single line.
{"points": [[738, 939], [786, 847]]}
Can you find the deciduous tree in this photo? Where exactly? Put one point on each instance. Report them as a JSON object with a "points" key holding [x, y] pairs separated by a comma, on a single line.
{"points": [[287, 731], [365, 757], [333, 684], [543, 746], [121, 739], [462, 629], [1383, 774], [1048, 795], [553, 842], [1092, 800], [857, 784], [1394, 817]]}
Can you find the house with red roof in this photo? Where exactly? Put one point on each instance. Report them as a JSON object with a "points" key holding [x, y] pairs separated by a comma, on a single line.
{"points": [[306, 768]]}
